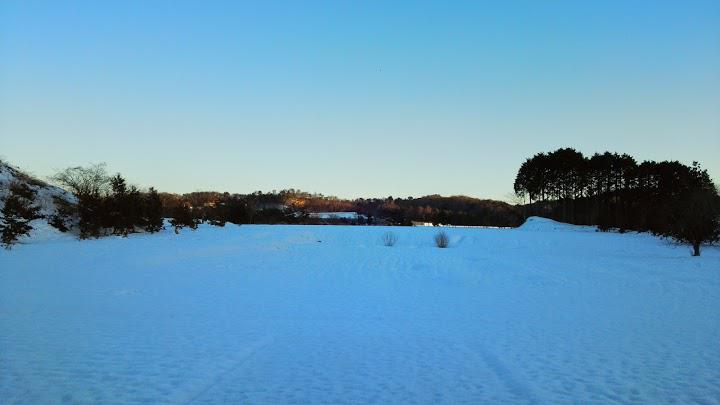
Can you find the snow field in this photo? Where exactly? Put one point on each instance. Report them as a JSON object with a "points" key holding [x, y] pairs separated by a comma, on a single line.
{"points": [[547, 313]]}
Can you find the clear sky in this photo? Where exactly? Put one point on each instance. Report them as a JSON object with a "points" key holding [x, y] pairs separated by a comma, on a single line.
{"points": [[354, 98]]}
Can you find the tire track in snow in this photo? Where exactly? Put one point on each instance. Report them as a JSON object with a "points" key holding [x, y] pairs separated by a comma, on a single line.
{"points": [[504, 374], [247, 355]]}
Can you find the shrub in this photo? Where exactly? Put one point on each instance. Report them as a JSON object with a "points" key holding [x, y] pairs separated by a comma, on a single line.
{"points": [[17, 214], [65, 211], [442, 240], [389, 239]]}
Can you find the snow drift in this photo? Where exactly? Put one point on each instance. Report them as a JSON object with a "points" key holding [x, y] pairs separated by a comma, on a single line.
{"points": [[548, 225]]}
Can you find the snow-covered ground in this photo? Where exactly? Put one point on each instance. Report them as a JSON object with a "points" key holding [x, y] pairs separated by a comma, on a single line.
{"points": [[547, 313]]}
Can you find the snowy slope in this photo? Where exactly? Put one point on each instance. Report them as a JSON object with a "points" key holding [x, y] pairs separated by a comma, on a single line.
{"points": [[44, 199], [327, 314]]}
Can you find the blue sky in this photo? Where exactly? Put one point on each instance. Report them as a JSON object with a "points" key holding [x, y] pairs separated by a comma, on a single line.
{"points": [[354, 99]]}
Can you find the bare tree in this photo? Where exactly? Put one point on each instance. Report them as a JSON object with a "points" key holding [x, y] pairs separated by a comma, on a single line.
{"points": [[84, 181]]}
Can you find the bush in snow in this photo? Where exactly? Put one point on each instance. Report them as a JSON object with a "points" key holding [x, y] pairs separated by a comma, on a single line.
{"points": [[17, 214], [65, 211], [389, 239], [442, 240]]}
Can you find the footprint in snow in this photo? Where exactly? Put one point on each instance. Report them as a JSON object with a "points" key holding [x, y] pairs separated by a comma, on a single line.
{"points": [[125, 292]]}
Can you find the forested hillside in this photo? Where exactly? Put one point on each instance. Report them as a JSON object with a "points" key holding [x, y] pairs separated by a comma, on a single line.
{"points": [[613, 190]]}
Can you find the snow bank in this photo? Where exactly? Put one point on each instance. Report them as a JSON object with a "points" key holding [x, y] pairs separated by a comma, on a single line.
{"points": [[545, 225], [44, 232]]}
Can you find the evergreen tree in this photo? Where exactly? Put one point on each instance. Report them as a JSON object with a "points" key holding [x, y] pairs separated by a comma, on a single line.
{"points": [[116, 205], [17, 214], [124, 207], [183, 217], [696, 214], [152, 211], [91, 210]]}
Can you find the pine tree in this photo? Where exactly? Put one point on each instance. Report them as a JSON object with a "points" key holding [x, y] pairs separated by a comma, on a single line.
{"points": [[182, 217], [17, 214], [152, 211], [117, 205], [695, 215], [124, 207], [132, 210]]}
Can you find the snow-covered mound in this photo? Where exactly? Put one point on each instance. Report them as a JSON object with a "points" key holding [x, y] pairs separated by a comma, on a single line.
{"points": [[44, 198], [328, 314], [45, 192], [544, 225]]}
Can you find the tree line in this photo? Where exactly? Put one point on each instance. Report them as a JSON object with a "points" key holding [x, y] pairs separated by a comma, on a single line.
{"points": [[295, 207], [613, 190], [107, 205], [436, 209], [610, 190]]}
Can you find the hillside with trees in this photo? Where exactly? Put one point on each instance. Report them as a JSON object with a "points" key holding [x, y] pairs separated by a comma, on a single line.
{"points": [[613, 190]]}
